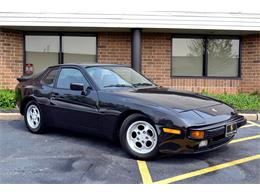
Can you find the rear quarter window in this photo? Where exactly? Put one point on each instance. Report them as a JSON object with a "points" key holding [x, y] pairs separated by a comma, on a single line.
{"points": [[49, 78]]}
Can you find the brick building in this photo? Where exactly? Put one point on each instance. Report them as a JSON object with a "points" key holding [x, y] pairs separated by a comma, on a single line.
{"points": [[214, 52]]}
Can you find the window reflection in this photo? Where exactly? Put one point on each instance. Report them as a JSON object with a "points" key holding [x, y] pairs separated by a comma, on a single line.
{"points": [[79, 49], [41, 51], [223, 57], [187, 57]]}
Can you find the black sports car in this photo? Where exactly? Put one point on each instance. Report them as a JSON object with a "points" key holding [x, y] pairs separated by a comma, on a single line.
{"points": [[116, 102]]}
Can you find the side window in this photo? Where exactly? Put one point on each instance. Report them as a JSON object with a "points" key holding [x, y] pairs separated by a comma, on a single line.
{"points": [[50, 77], [70, 75]]}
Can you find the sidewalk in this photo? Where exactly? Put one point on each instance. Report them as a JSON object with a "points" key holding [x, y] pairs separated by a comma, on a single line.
{"points": [[10, 116], [18, 116]]}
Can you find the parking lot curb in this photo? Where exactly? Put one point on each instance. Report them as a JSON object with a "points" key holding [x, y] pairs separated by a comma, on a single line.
{"points": [[252, 117], [18, 116], [10, 116]]}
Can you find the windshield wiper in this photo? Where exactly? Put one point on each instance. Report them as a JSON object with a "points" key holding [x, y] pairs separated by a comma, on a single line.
{"points": [[118, 85], [142, 84]]}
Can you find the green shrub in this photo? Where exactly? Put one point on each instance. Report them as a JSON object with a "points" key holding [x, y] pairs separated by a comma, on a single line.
{"points": [[7, 99], [242, 101]]}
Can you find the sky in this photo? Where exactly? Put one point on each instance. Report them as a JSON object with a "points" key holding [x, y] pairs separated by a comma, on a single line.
{"points": [[71, 6]]}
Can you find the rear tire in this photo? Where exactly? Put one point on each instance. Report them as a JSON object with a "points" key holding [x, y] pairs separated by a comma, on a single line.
{"points": [[138, 137], [33, 118]]}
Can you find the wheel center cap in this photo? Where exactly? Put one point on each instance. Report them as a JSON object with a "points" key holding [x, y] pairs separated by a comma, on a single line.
{"points": [[143, 136]]}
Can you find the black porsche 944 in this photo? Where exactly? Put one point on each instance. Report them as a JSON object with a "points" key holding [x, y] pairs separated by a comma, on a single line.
{"points": [[118, 103]]}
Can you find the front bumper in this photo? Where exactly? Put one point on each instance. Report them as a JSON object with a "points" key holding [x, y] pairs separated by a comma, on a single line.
{"points": [[215, 134]]}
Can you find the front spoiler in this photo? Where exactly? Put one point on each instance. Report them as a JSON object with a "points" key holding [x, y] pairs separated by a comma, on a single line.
{"points": [[188, 147], [170, 143]]}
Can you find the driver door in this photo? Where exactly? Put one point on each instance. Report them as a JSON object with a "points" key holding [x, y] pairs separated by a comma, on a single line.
{"points": [[72, 109]]}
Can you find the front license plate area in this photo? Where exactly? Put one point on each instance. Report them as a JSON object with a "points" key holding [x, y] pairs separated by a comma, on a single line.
{"points": [[231, 129]]}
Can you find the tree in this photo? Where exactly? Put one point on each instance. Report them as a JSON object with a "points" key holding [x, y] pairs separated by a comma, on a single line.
{"points": [[217, 48]]}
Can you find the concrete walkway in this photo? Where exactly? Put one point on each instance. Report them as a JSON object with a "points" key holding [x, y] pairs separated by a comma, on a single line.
{"points": [[18, 116]]}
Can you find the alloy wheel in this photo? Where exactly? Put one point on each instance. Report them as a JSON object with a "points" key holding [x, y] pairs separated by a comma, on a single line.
{"points": [[141, 137], [33, 116]]}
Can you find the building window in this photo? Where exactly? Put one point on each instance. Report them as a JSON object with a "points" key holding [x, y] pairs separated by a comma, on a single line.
{"points": [[79, 49], [45, 50], [223, 57], [205, 56], [187, 57], [41, 51]]}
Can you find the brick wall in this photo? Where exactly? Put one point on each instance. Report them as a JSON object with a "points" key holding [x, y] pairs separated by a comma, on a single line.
{"points": [[114, 48], [156, 57], [11, 58], [250, 63], [156, 61], [229, 86]]}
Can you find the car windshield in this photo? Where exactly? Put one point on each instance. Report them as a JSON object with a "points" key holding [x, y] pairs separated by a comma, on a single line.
{"points": [[106, 77]]}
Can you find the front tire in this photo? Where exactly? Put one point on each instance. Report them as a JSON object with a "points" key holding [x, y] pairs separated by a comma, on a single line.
{"points": [[34, 118], [138, 137]]}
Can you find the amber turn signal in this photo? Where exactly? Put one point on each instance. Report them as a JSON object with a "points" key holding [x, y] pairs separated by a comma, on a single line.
{"points": [[197, 134], [173, 131]]}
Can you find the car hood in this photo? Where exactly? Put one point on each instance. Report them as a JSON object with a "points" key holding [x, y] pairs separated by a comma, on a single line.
{"points": [[179, 101], [193, 109]]}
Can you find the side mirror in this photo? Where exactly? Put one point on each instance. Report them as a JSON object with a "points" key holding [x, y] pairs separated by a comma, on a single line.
{"points": [[77, 87]]}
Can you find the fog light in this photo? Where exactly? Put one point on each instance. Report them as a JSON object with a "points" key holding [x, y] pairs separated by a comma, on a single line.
{"points": [[197, 134], [203, 143], [173, 131]]}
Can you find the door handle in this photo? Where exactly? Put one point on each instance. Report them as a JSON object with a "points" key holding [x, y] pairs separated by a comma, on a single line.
{"points": [[54, 95]]}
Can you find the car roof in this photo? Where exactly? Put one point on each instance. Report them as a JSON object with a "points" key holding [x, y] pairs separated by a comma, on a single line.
{"points": [[90, 65]]}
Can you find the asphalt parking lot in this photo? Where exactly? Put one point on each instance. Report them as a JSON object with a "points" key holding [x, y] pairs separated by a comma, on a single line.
{"points": [[67, 157]]}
